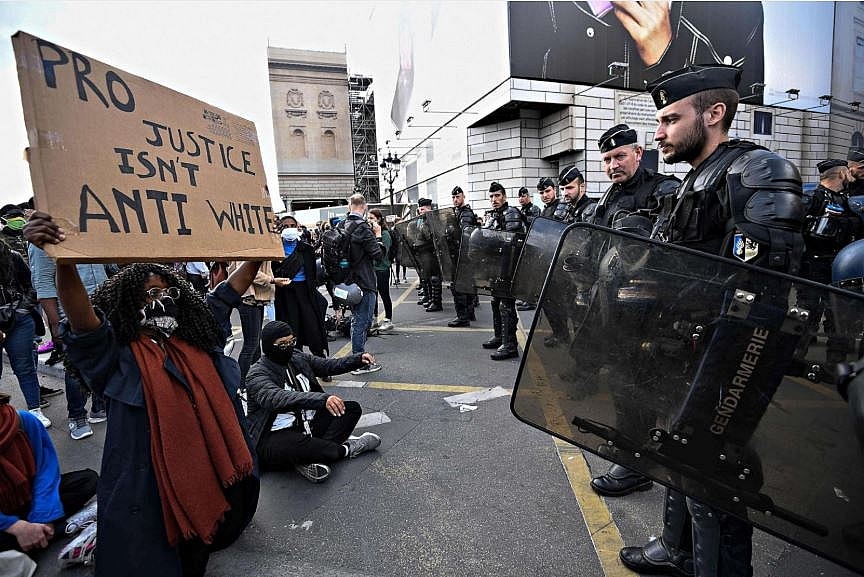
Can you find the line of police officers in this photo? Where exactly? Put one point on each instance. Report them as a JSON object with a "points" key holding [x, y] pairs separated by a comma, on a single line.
{"points": [[738, 201]]}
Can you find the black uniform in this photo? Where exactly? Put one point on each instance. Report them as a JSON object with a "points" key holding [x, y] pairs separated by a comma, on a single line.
{"points": [[504, 317], [628, 206], [529, 212], [549, 210], [463, 302], [742, 202], [430, 275], [829, 225], [579, 211]]}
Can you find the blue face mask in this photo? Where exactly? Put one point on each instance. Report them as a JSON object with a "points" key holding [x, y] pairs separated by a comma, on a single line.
{"points": [[290, 234]]}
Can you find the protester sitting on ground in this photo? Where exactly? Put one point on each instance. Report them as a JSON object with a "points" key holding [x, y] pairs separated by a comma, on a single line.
{"points": [[19, 325], [178, 472], [34, 496], [287, 418]]}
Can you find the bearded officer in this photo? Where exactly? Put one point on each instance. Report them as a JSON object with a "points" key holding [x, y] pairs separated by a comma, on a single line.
{"points": [[506, 218], [855, 163], [695, 109], [549, 196], [634, 194], [463, 302], [576, 206]]}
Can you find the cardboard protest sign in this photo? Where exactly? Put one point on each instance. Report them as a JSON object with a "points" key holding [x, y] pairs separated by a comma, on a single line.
{"points": [[134, 171]]}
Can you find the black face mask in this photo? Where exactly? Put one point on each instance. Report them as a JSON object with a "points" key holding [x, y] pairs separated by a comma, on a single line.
{"points": [[280, 354], [161, 315]]}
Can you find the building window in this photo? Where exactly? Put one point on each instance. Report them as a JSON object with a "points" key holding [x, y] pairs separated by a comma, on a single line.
{"points": [[858, 65], [328, 145], [762, 122], [430, 152], [297, 144]]}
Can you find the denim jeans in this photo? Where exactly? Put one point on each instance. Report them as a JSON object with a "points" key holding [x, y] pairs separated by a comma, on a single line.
{"points": [[75, 398], [361, 320], [19, 347], [251, 320]]}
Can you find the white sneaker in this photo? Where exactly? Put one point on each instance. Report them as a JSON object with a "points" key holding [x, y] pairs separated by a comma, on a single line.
{"points": [[386, 325], [46, 422], [369, 368]]}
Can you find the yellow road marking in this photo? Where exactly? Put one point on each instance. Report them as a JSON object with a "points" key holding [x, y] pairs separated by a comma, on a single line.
{"points": [[424, 387]]}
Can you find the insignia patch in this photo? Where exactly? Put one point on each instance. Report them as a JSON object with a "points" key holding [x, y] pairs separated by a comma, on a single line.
{"points": [[663, 97], [745, 249]]}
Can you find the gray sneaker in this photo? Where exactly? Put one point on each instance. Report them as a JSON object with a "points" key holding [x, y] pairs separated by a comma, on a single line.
{"points": [[313, 472], [79, 428], [98, 416], [361, 444]]}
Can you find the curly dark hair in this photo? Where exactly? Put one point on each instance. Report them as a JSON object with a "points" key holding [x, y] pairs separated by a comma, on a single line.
{"points": [[122, 296]]}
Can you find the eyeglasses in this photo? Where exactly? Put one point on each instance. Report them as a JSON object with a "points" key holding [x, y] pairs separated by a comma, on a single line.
{"points": [[286, 344], [157, 293]]}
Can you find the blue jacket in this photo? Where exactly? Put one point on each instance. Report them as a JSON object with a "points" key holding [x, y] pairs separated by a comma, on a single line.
{"points": [[132, 540], [45, 506]]}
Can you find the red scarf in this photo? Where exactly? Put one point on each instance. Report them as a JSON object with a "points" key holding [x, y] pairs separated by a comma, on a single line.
{"points": [[196, 442], [17, 463]]}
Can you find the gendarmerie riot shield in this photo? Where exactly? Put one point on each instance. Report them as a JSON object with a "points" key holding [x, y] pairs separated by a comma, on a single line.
{"points": [[708, 375], [447, 236], [417, 242], [404, 256], [487, 259], [536, 258]]}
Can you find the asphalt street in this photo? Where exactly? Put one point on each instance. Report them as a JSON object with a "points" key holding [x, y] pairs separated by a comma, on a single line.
{"points": [[456, 488]]}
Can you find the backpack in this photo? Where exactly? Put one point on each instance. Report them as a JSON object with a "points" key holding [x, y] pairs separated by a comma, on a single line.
{"points": [[395, 239], [336, 252]]}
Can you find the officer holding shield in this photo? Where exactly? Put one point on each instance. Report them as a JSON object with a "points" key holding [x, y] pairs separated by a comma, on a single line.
{"points": [[738, 201], [627, 205], [463, 302], [505, 218]]}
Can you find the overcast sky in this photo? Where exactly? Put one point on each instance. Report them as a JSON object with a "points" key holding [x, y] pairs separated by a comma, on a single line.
{"points": [[214, 51]]}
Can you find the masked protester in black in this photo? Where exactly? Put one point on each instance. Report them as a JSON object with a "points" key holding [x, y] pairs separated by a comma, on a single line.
{"points": [[292, 421]]}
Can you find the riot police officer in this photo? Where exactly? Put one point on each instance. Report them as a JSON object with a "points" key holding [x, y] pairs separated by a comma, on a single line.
{"points": [[526, 207], [549, 196], [627, 205], [829, 225], [430, 280], [855, 163], [463, 302], [576, 206], [505, 218], [738, 201]]}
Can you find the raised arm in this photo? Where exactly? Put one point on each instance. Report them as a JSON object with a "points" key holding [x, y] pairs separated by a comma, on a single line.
{"points": [[41, 230]]}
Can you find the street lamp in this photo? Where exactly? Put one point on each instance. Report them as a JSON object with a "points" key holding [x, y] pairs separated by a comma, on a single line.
{"points": [[390, 170]]}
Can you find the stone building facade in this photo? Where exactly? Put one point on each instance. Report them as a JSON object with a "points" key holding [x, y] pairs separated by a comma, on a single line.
{"points": [[311, 123]]}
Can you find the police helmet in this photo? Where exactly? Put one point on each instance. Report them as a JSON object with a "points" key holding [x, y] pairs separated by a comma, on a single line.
{"points": [[847, 270]]}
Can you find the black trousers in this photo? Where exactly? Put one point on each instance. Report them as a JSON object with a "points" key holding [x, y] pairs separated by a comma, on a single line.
{"points": [[281, 450], [76, 488]]}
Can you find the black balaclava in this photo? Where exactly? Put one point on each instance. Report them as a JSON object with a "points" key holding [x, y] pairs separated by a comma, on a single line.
{"points": [[271, 332]]}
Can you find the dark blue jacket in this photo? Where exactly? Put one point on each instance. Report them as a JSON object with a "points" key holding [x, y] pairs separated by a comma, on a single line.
{"points": [[132, 540]]}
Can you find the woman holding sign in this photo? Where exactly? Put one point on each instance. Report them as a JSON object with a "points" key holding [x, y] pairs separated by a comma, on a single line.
{"points": [[179, 478]]}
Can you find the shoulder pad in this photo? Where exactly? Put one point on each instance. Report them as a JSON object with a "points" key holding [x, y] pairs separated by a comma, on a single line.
{"points": [[764, 169], [716, 166]]}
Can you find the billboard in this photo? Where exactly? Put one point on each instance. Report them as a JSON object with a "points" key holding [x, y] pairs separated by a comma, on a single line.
{"points": [[627, 44]]}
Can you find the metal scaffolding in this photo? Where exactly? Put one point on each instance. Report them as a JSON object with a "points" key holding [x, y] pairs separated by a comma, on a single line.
{"points": [[361, 102]]}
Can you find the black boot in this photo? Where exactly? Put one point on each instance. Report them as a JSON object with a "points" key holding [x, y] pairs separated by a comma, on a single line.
{"points": [[505, 351], [671, 553], [435, 298], [492, 343], [457, 322], [495, 341], [619, 481]]}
